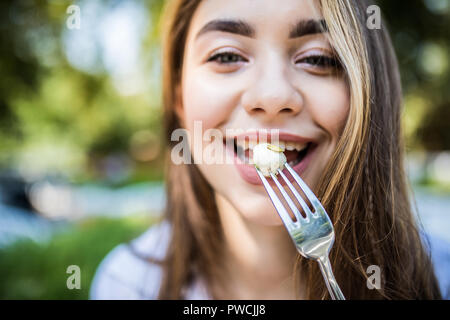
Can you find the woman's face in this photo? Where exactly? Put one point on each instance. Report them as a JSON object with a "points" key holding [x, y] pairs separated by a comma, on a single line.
{"points": [[261, 65]]}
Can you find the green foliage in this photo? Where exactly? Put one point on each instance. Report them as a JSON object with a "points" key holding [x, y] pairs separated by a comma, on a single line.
{"points": [[38, 271], [56, 119], [420, 30]]}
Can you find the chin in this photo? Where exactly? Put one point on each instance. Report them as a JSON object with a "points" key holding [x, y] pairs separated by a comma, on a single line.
{"points": [[255, 207], [265, 217]]}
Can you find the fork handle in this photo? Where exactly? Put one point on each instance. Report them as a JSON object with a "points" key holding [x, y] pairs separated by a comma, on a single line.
{"points": [[330, 280]]}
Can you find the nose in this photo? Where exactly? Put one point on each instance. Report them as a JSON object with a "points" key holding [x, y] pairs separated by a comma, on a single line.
{"points": [[272, 94]]}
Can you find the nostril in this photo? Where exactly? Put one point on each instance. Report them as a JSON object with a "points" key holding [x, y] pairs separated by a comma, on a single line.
{"points": [[258, 110]]}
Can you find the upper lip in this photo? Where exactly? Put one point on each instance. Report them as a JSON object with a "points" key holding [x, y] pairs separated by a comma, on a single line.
{"points": [[269, 134]]}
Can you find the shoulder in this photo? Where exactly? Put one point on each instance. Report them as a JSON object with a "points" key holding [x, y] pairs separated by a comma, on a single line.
{"points": [[126, 273]]}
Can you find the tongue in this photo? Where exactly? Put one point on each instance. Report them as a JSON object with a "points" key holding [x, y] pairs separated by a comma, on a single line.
{"points": [[290, 155]]}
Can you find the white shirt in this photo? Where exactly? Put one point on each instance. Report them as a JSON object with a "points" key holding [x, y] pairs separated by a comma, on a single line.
{"points": [[125, 274]]}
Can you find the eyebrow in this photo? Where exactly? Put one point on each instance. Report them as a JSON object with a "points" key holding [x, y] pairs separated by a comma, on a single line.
{"points": [[299, 29]]}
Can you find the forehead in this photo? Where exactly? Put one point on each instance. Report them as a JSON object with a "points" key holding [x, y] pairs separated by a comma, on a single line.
{"points": [[266, 16]]}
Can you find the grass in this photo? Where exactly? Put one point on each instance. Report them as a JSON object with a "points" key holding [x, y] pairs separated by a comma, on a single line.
{"points": [[29, 270]]}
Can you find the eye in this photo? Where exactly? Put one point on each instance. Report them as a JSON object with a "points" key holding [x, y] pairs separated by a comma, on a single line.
{"points": [[226, 58], [321, 62]]}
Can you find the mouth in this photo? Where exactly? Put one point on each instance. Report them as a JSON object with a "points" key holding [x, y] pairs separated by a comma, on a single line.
{"points": [[295, 152], [298, 152]]}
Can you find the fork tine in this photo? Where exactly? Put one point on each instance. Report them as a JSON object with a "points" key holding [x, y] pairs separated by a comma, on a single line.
{"points": [[287, 198], [297, 195], [284, 215], [309, 194]]}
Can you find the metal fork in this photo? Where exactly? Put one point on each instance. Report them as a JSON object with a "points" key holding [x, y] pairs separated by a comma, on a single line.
{"points": [[313, 236]]}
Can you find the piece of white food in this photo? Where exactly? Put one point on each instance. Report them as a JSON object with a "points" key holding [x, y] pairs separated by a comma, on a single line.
{"points": [[268, 158]]}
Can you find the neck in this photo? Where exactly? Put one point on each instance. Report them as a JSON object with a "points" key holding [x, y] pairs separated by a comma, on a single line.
{"points": [[258, 259]]}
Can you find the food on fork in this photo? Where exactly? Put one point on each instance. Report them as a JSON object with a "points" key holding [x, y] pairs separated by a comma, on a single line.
{"points": [[268, 158]]}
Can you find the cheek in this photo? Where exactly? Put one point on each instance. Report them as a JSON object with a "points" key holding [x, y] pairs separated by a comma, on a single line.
{"points": [[207, 100], [329, 104]]}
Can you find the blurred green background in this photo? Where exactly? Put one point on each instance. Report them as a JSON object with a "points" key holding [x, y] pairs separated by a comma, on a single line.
{"points": [[80, 119]]}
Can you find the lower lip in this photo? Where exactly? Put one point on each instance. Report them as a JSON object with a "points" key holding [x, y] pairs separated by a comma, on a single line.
{"points": [[249, 174]]}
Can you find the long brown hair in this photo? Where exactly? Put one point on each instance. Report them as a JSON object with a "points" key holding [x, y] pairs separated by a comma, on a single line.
{"points": [[363, 189]]}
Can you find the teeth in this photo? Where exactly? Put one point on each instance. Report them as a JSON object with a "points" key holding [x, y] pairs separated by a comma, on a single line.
{"points": [[289, 146], [299, 146]]}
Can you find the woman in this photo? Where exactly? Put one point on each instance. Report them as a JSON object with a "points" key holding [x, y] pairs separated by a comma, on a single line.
{"points": [[316, 73]]}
